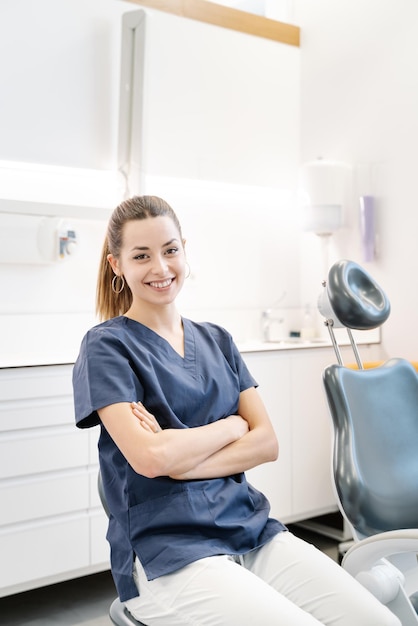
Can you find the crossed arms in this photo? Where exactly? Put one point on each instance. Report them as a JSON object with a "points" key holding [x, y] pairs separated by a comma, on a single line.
{"points": [[225, 447]]}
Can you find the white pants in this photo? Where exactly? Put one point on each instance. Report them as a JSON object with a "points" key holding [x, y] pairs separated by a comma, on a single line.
{"points": [[287, 582]]}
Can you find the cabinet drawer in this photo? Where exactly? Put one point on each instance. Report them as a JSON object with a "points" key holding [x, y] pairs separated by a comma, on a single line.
{"points": [[30, 499], [39, 412], [38, 551], [33, 397], [43, 451], [35, 382]]}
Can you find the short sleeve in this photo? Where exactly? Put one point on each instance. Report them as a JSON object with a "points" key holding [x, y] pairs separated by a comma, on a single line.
{"points": [[246, 379], [102, 375], [233, 356]]}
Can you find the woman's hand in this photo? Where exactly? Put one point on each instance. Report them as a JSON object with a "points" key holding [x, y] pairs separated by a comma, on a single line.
{"points": [[240, 425], [254, 442], [146, 419]]}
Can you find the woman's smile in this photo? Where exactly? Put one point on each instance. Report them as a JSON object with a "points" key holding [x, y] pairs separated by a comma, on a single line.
{"points": [[161, 284]]}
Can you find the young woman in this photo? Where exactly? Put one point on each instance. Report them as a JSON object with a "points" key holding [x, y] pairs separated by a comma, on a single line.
{"points": [[181, 420]]}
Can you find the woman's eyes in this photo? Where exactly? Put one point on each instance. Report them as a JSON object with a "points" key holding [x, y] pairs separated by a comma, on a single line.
{"points": [[143, 257]]}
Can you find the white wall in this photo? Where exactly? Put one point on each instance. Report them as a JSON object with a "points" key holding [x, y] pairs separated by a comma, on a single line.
{"points": [[59, 64], [359, 97], [60, 68]]}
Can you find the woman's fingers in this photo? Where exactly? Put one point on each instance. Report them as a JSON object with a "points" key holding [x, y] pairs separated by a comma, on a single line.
{"points": [[146, 419]]}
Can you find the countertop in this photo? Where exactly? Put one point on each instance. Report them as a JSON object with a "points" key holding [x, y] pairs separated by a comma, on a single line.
{"points": [[62, 347], [286, 344], [361, 337]]}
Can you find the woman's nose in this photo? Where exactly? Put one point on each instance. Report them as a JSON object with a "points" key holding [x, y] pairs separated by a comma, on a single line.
{"points": [[159, 264]]}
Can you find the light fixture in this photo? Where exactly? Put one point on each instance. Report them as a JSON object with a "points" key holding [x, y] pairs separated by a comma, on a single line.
{"points": [[55, 184]]}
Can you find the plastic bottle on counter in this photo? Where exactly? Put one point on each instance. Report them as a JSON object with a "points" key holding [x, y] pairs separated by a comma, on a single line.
{"points": [[308, 328]]}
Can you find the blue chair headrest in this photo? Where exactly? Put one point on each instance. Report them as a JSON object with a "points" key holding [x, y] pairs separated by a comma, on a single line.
{"points": [[356, 299]]}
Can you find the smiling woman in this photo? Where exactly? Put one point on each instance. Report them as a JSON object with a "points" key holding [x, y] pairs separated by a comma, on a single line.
{"points": [[152, 263], [181, 422], [132, 245]]}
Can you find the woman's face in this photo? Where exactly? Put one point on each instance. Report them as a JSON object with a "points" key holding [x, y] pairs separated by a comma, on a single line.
{"points": [[152, 260]]}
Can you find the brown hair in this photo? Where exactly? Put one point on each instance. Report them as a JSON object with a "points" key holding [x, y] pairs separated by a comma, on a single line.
{"points": [[108, 303]]}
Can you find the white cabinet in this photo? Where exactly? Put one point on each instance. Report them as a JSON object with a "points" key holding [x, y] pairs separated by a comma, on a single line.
{"points": [[272, 372], [52, 526], [298, 484], [311, 435]]}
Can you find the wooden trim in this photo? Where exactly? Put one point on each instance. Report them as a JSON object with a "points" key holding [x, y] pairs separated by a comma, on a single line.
{"points": [[219, 15]]}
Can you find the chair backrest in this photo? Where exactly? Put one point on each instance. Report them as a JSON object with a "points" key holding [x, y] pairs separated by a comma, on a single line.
{"points": [[375, 457]]}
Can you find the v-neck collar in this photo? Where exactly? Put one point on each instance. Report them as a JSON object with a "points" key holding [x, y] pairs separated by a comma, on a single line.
{"points": [[189, 358]]}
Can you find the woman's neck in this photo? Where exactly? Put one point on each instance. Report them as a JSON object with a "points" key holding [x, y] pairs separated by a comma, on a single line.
{"points": [[165, 322]]}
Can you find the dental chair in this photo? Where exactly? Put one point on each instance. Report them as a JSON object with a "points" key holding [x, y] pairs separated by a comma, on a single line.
{"points": [[118, 613], [374, 413]]}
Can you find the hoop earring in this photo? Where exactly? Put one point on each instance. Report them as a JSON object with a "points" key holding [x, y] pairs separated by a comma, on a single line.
{"points": [[188, 270], [122, 284]]}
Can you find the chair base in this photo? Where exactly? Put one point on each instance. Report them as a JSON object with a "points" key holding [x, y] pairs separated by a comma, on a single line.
{"points": [[120, 616]]}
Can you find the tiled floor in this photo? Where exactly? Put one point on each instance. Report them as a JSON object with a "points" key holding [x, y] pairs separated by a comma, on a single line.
{"points": [[86, 601]]}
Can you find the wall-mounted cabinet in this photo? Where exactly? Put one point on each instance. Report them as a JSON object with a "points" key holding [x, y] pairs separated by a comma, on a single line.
{"points": [[231, 115], [219, 15]]}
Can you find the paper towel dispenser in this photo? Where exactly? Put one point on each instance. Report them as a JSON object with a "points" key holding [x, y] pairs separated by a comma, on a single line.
{"points": [[324, 186], [35, 239]]}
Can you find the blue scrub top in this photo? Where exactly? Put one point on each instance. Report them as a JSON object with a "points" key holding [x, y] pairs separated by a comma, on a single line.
{"points": [[168, 523]]}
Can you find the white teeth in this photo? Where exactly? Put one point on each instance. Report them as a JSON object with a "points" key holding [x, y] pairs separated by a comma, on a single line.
{"points": [[161, 285]]}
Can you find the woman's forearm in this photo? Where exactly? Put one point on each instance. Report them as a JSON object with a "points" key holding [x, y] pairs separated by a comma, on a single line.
{"points": [[258, 446], [154, 452], [204, 451], [255, 448], [178, 451]]}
